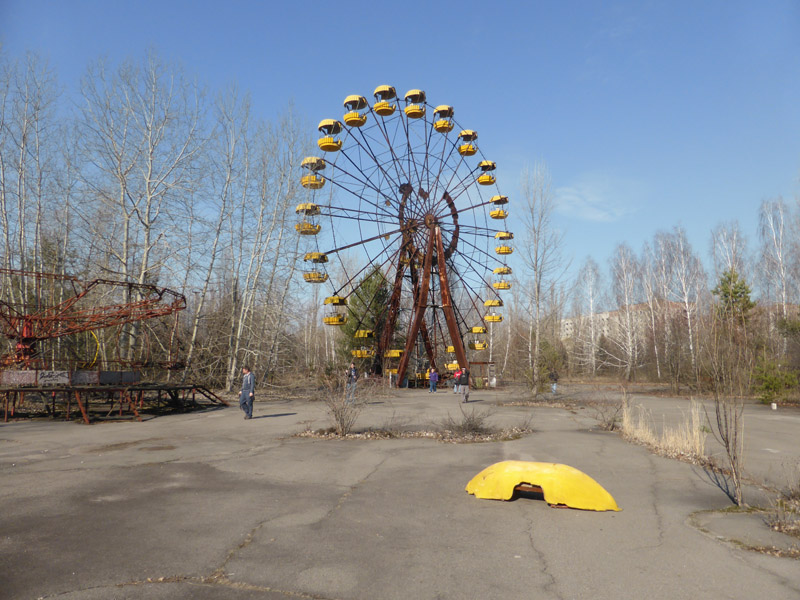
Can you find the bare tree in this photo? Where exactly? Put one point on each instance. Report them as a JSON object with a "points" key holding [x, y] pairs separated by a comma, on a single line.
{"points": [[142, 139], [729, 250], [689, 282], [588, 292], [774, 225], [625, 330], [540, 254]]}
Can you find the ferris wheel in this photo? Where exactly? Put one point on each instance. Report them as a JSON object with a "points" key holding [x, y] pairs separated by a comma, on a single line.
{"points": [[401, 184]]}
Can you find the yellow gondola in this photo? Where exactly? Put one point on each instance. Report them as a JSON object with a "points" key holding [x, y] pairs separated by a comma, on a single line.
{"points": [[451, 366], [394, 353], [355, 116], [504, 270], [329, 128], [487, 178], [499, 200], [504, 249], [383, 95], [364, 334], [451, 349], [501, 285], [493, 302], [313, 163], [493, 318], [498, 214], [443, 113], [312, 181], [315, 277], [315, 257], [504, 235], [306, 228], [307, 208], [467, 148], [478, 329], [363, 353], [415, 104], [337, 314], [335, 320], [479, 345], [391, 371]]}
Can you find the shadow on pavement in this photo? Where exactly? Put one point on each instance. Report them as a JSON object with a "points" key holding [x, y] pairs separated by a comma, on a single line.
{"points": [[275, 415]]}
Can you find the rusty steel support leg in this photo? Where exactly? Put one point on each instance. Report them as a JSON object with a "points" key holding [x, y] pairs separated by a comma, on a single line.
{"points": [[5, 406], [447, 303], [82, 407], [426, 341], [391, 317], [132, 404], [419, 310]]}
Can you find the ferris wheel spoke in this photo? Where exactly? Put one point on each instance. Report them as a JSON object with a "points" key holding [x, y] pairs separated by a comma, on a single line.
{"points": [[366, 184], [368, 149], [396, 161]]}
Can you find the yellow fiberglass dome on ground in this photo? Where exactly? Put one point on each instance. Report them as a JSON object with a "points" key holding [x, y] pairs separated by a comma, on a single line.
{"points": [[560, 484]]}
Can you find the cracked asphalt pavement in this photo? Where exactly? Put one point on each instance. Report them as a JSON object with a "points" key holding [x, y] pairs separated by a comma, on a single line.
{"points": [[207, 505]]}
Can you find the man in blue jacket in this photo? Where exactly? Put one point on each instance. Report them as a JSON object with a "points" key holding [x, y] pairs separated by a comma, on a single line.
{"points": [[247, 394]]}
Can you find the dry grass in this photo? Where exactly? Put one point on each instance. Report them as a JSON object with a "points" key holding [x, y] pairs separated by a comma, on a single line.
{"points": [[685, 441]]}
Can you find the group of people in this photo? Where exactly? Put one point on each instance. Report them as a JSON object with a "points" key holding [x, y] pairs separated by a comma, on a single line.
{"points": [[460, 382]]}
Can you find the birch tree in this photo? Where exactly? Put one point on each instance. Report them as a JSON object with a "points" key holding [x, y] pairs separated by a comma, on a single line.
{"points": [[142, 139], [540, 254], [777, 280], [588, 290], [624, 339]]}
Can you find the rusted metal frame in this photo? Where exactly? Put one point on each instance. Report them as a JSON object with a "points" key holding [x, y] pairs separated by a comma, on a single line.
{"points": [[419, 311], [82, 407], [394, 307], [426, 341], [132, 405], [447, 303]]}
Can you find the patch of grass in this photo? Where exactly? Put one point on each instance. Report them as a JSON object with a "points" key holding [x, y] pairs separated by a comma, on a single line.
{"points": [[686, 440]]}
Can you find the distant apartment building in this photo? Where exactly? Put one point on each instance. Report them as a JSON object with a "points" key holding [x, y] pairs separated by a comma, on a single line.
{"points": [[612, 323]]}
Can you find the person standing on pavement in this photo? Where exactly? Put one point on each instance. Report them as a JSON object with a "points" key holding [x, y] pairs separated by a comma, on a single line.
{"points": [[553, 380], [351, 380], [463, 384], [247, 393], [434, 379], [456, 377]]}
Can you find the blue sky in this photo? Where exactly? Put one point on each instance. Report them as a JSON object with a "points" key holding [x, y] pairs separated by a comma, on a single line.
{"points": [[647, 114]]}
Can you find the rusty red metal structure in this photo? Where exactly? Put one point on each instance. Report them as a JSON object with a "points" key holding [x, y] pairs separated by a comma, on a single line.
{"points": [[38, 307], [45, 306]]}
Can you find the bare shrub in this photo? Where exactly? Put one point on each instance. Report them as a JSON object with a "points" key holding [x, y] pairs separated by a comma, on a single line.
{"points": [[343, 414], [608, 411], [472, 422], [784, 515]]}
